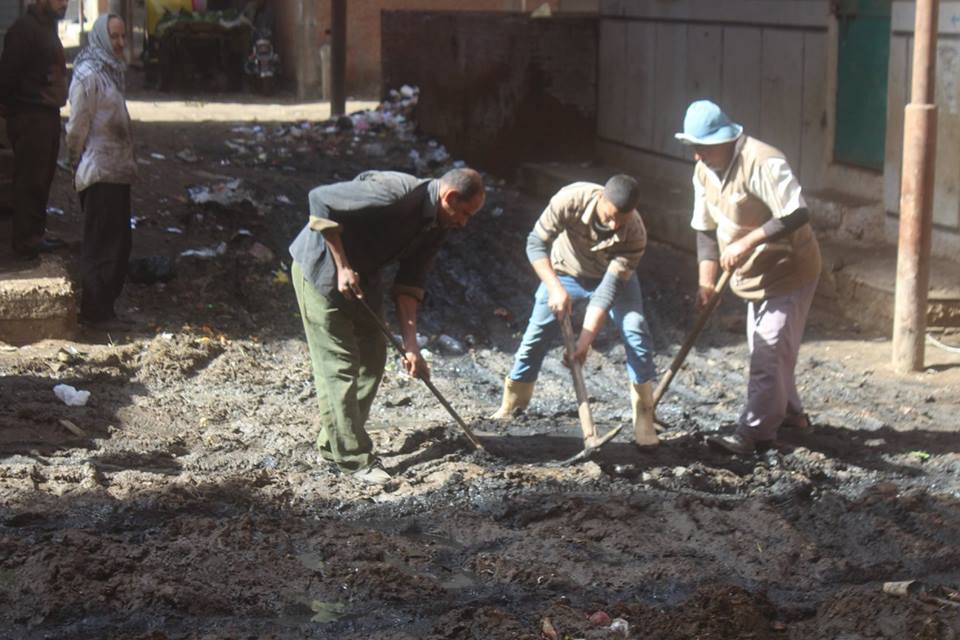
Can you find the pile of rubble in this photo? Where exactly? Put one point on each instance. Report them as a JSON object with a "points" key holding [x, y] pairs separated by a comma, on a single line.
{"points": [[387, 132]]}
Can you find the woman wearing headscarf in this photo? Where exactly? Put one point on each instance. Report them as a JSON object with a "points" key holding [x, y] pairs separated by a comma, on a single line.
{"points": [[101, 151]]}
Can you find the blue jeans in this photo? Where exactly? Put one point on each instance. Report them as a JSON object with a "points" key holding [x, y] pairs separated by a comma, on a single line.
{"points": [[627, 313]]}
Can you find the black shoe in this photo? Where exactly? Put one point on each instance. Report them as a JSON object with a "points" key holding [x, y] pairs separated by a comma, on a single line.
{"points": [[737, 444], [799, 421]]}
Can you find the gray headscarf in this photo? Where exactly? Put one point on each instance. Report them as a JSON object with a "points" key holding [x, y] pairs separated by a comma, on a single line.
{"points": [[99, 53]]}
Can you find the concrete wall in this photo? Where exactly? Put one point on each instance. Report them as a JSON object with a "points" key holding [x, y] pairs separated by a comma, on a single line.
{"points": [[946, 207], [498, 89], [363, 33], [763, 61]]}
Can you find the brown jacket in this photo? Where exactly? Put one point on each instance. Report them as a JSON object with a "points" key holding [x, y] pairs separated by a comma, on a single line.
{"points": [[577, 249], [33, 71], [735, 208]]}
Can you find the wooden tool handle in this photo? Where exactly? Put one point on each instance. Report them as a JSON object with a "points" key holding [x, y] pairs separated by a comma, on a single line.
{"points": [[583, 405], [692, 337], [385, 330]]}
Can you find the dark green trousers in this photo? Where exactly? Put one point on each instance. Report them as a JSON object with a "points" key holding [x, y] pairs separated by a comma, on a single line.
{"points": [[348, 353]]}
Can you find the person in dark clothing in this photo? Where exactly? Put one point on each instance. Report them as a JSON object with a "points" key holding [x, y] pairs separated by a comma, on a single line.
{"points": [[33, 87], [355, 229]]}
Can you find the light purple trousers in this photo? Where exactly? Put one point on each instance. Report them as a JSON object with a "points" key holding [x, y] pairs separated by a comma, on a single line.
{"points": [[774, 331]]}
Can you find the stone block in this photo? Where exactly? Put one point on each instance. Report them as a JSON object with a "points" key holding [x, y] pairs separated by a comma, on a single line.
{"points": [[36, 302]]}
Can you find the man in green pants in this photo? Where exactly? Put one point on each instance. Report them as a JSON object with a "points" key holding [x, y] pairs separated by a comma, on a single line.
{"points": [[355, 229]]}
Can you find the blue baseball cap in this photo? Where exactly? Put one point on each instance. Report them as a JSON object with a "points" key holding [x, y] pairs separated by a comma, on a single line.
{"points": [[706, 124]]}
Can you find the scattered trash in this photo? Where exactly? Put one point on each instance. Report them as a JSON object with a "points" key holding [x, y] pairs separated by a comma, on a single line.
{"points": [[236, 146], [904, 587], [497, 212], [206, 252], [621, 626], [600, 619], [70, 396], [268, 462], [68, 355], [440, 155], [187, 155], [922, 456], [375, 150], [408, 92], [55, 211], [326, 611], [151, 270], [935, 594], [419, 164], [548, 631], [72, 428], [175, 230], [261, 253], [225, 194], [280, 277], [451, 345], [158, 156], [282, 199]]}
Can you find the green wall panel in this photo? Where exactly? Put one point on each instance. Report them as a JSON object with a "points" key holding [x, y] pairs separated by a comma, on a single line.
{"points": [[863, 56]]}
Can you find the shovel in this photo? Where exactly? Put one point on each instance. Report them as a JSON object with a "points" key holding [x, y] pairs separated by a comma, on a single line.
{"points": [[436, 392], [681, 356], [591, 442]]}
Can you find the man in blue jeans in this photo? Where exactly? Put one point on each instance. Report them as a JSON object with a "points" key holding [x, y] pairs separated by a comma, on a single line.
{"points": [[586, 246]]}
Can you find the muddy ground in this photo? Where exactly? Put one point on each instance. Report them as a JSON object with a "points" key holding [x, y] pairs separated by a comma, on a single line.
{"points": [[191, 504]]}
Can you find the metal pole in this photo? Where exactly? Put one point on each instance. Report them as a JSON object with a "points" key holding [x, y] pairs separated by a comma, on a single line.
{"points": [[338, 55], [916, 196]]}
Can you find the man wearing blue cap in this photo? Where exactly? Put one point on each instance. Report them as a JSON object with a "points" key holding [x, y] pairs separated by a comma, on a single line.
{"points": [[586, 246], [751, 218]]}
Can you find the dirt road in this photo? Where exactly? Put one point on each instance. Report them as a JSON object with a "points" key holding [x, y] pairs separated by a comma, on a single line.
{"points": [[191, 504]]}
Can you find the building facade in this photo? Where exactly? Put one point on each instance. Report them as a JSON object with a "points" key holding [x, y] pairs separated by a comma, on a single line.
{"points": [[304, 29], [826, 81]]}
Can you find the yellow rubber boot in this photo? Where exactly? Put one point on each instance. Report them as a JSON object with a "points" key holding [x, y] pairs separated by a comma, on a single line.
{"points": [[516, 395], [644, 431]]}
